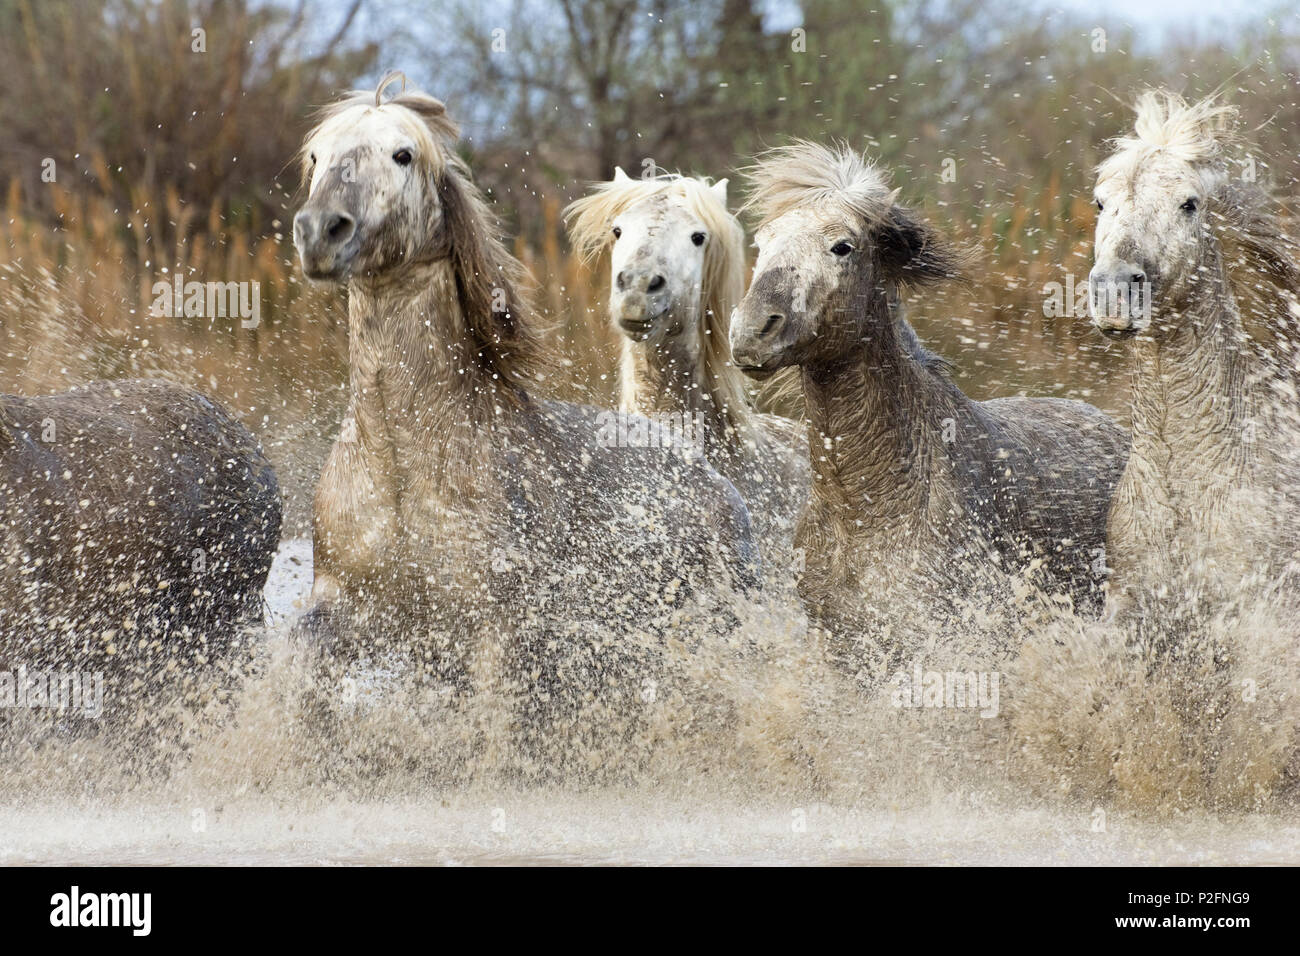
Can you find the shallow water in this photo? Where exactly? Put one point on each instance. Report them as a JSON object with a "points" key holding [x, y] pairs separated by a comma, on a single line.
{"points": [[921, 787], [561, 828]]}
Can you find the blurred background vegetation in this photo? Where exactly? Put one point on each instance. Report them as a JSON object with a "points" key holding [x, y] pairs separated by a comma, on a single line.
{"points": [[171, 153]]}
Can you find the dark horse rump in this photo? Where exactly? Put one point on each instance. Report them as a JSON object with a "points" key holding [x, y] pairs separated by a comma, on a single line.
{"points": [[1038, 477], [140, 520]]}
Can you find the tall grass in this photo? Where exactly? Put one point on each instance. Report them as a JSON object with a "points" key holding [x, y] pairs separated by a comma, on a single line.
{"points": [[75, 300]]}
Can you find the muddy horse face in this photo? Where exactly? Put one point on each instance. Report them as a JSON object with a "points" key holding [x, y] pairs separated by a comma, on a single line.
{"points": [[373, 174], [1155, 199], [824, 256], [657, 267], [799, 307]]}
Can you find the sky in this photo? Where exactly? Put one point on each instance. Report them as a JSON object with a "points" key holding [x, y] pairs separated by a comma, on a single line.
{"points": [[1161, 14], [1150, 18]]}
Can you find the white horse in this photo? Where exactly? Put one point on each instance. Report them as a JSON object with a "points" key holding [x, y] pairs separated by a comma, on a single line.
{"points": [[677, 270], [457, 507], [1210, 497]]}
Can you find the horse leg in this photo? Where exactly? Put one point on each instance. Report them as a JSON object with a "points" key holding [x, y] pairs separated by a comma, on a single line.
{"points": [[322, 625], [731, 523]]}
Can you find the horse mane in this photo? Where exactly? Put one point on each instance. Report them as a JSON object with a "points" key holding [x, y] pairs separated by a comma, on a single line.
{"points": [[1256, 246], [1196, 133], [723, 283], [932, 362], [493, 287], [1246, 217], [805, 174]]}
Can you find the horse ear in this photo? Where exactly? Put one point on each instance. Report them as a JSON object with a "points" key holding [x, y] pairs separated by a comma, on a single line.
{"points": [[720, 190], [427, 106], [620, 176], [913, 253], [433, 112]]}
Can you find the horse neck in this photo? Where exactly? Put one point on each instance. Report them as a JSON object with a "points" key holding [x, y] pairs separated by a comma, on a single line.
{"points": [[671, 379], [1193, 390], [868, 432], [417, 388]]}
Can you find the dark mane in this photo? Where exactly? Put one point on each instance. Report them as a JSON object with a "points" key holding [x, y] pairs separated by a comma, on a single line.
{"points": [[492, 285]]}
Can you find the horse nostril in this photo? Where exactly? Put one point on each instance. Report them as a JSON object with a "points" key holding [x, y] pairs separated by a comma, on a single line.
{"points": [[772, 322], [340, 226], [1138, 278], [304, 227], [656, 284], [622, 280]]}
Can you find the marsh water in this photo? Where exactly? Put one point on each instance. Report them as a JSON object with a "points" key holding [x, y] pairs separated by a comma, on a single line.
{"points": [[1084, 757]]}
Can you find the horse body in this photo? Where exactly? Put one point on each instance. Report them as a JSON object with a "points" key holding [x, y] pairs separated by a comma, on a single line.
{"points": [[918, 491], [676, 274], [1205, 505], [444, 479], [133, 511], [1206, 510], [456, 506]]}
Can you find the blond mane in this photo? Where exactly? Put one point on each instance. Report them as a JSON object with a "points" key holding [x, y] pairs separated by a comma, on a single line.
{"points": [[723, 284], [1196, 133]]}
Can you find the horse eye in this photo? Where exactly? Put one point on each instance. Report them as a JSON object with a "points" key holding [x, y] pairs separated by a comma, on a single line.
{"points": [[402, 157], [313, 159], [1098, 204], [617, 232], [1190, 205], [697, 238], [841, 248]]}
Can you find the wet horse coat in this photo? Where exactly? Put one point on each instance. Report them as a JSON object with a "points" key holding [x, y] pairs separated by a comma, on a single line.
{"points": [[677, 268], [921, 497], [138, 525], [503, 534], [1209, 505]]}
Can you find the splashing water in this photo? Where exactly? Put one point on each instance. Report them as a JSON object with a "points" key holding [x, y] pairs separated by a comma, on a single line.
{"points": [[1077, 747], [748, 748]]}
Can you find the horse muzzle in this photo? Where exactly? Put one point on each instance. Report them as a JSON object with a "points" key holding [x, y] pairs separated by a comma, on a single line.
{"points": [[639, 316], [759, 342], [1119, 299], [327, 240]]}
